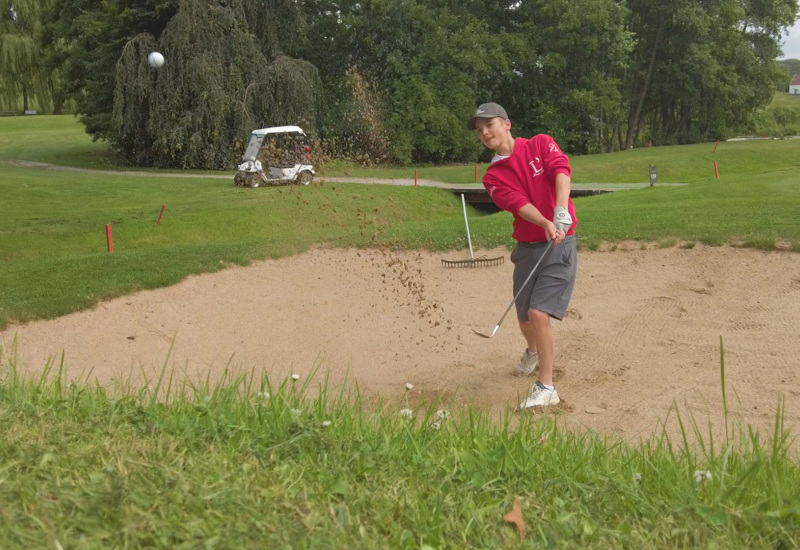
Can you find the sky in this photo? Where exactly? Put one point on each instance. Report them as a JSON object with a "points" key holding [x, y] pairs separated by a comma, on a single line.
{"points": [[791, 43]]}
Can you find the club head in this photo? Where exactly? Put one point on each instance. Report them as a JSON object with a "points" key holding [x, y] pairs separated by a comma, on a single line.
{"points": [[482, 335]]}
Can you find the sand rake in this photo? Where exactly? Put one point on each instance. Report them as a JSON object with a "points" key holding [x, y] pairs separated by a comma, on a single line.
{"points": [[473, 261]]}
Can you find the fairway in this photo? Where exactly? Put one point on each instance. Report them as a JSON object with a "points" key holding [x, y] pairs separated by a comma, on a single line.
{"points": [[642, 334]]}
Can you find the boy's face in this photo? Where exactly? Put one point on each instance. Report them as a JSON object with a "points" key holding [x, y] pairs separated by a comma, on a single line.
{"points": [[493, 131]]}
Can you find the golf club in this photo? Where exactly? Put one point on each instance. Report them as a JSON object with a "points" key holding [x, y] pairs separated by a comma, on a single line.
{"points": [[514, 299]]}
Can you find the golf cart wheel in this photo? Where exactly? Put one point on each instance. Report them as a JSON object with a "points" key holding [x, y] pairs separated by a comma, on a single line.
{"points": [[304, 178]]}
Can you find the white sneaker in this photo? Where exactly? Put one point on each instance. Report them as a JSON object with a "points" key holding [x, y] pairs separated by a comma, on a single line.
{"points": [[540, 396], [528, 363]]}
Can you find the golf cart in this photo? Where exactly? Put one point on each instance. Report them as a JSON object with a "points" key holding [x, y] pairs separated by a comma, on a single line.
{"points": [[284, 150]]}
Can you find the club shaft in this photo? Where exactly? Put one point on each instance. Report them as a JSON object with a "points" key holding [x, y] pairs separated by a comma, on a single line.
{"points": [[530, 275]]}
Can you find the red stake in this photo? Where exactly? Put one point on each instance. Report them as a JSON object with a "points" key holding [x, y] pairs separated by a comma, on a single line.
{"points": [[108, 238], [415, 178], [716, 169], [163, 207], [476, 173], [715, 147]]}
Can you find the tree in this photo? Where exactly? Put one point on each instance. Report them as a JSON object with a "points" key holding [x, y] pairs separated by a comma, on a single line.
{"points": [[701, 68], [21, 53], [216, 86], [790, 67], [423, 60], [566, 58], [90, 36]]}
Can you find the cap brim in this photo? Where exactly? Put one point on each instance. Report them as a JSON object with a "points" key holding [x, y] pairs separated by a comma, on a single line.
{"points": [[471, 122]]}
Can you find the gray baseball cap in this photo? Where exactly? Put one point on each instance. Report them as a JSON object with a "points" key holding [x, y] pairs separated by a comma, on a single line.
{"points": [[487, 110]]}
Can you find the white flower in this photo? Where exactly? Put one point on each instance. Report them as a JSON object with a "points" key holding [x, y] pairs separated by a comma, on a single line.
{"points": [[407, 413], [263, 395], [436, 425], [295, 377], [326, 423], [637, 478], [442, 413], [409, 386], [700, 476], [296, 412]]}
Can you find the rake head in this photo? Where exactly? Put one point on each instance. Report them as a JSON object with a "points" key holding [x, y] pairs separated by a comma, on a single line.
{"points": [[474, 262]]}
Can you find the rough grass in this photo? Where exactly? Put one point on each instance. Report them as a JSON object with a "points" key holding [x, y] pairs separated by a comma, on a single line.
{"points": [[249, 464]]}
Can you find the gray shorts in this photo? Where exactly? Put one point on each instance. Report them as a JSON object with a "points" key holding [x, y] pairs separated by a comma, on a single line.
{"points": [[550, 289]]}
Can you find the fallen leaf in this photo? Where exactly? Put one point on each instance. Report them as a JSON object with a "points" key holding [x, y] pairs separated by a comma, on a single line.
{"points": [[515, 517]]}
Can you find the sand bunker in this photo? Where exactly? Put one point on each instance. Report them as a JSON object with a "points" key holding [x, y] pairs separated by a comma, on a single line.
{"points": [[642, 334]]}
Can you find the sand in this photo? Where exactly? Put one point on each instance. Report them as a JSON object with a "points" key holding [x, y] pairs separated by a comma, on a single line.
{"points": [[641, 340]]}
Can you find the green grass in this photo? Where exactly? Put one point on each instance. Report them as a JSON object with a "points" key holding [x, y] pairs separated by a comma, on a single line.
{"points": [[675, 164], [248, 464], [53, 257], [785, 99]]}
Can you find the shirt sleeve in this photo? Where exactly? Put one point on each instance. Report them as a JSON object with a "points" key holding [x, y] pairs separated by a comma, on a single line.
{"points": [[503, 195], [555, 161]]}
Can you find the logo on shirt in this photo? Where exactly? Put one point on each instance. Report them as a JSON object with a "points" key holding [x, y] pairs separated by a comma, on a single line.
{"points": [[554, 148], [537, 165], [491, 190]]}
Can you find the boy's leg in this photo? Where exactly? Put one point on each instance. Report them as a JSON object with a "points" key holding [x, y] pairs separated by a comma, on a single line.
{"points": [[524, 257], [529, 361], [526, 328], [545, 344], [550, 298]]}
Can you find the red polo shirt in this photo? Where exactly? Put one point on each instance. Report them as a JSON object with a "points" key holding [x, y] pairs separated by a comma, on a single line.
{"points": [[529, 176]]}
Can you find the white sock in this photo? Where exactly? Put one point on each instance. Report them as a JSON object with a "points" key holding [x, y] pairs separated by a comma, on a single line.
{"points": [[549, 388]]}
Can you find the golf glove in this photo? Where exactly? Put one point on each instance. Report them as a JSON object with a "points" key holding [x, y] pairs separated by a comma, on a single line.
{"points": [[562, 220]]}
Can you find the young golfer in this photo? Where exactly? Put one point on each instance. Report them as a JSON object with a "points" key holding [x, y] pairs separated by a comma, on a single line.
{"points": [[531, 179]]}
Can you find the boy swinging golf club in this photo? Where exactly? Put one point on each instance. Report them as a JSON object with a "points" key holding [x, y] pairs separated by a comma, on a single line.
{"points": [[531, 179]]}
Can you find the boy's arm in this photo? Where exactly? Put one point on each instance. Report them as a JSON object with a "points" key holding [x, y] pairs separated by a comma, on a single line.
{"points": [[556, 162], [563, 188], [531, 214], [503, 195], [559, 171]]}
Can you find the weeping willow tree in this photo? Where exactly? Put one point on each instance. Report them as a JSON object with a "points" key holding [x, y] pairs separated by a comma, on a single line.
{"points": [[21, 54], [217, 85]]}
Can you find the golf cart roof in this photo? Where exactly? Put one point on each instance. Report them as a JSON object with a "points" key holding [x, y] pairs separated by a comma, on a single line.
{"points": [[279, 130]]}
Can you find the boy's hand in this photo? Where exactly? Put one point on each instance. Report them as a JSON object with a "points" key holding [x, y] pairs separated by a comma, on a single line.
{"points": [[562, 220], [553, 234]]}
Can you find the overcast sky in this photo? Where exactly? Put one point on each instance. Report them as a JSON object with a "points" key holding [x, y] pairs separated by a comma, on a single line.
{"points": [[791, 44]]}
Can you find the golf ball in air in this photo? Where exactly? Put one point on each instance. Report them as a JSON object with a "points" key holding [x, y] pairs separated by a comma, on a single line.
{"points": [[155, 59]]}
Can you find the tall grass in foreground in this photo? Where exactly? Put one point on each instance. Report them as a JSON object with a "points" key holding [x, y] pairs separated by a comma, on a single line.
{"points": [[247, 463]]}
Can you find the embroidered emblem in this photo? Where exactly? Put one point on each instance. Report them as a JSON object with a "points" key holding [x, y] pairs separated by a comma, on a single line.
{"points": [[538, 167]]}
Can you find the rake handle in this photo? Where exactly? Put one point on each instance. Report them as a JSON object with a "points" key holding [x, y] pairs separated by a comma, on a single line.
{"points": [[469, 239]]}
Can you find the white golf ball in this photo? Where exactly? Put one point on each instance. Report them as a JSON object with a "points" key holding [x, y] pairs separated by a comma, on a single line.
{"points": [[155, 59]]}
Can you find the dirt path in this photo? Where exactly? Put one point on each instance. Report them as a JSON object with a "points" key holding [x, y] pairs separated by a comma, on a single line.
{"points": [[642, 334]]}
